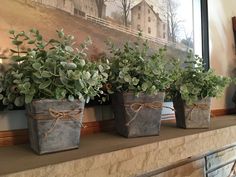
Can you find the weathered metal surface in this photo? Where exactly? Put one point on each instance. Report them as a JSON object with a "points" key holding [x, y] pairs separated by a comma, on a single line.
{"points": [[225, 171], [220, 158], [133, 117], [51, 134], [194, 116]]}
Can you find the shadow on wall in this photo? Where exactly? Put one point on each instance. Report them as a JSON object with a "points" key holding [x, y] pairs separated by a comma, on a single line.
{"points": [[222, 47]]}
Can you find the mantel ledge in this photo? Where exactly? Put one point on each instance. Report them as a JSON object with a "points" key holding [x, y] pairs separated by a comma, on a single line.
{"points": [[121, 159]]}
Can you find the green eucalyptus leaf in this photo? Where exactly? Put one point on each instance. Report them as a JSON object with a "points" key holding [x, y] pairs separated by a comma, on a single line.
{"points": [[60, 93], [144, 86], [37, 75], [18, 58], [46, 74], [16, 42], [82, 62], [11, 31], [71, 66], [45, 84], [5, 101], [36, 66], [28, 98], [19, 101], [71, 98], [31, 41], [69, 49]]}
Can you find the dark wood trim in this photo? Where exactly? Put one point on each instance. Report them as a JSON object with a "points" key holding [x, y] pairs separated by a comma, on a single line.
{"points": [[95, 127], [14, 137], [222, 112], [205, 33]]}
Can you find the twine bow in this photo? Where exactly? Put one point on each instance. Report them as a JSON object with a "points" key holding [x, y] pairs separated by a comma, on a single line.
{"points": [[137, 107], [60, 115], [196, 106]]}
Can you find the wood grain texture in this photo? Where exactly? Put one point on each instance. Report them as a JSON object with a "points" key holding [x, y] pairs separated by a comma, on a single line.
{"points": [[222, 112], [14, 137]]}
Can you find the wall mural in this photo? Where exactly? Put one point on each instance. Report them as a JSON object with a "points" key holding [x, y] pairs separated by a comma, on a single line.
{"points": [[161, 22]]}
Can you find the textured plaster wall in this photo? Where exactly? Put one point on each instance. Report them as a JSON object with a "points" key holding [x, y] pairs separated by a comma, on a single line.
{"points": [[222, 47]]}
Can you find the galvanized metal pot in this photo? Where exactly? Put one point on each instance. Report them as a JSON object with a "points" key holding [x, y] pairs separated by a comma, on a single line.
{"points": [[54, 125], [196, 115], [137, 116]]}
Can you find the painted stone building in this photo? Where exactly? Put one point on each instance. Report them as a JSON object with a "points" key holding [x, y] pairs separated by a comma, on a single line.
{"points": [[150, 19], [65, 5], [75, 7], [88, 7]]}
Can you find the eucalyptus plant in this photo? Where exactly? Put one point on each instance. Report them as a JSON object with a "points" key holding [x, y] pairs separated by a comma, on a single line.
{"points": [[193, 82], [51, 69], [135, 68], [1, 81]]}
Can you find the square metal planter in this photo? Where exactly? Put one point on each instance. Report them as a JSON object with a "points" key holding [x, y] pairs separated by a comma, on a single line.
{"points": [[54, 125], [196, 115], [137, 116]]}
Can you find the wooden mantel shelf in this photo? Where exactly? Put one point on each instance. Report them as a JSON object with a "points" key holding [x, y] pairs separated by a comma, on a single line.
{"points": [[109, 155]]}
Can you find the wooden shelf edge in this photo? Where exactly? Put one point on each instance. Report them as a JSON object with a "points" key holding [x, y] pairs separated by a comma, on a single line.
{"points": [[14, 137]]}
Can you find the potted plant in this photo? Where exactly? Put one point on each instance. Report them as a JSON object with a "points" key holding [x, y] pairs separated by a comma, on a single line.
{"points": [[137, 80], [192, 90], [54, 80]]}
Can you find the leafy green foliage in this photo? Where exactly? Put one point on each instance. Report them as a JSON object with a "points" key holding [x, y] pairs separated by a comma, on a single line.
{"points": [[52, 69], [1, 83], [192, 82], [134, 69]]}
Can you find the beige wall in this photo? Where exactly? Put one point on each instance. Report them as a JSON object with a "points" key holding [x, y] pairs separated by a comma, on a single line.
{"points": [[222, 47]]}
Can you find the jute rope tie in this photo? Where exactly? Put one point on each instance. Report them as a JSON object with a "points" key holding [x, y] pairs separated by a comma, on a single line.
{"points": [[59, 115], [137, 107], [196, 106]]}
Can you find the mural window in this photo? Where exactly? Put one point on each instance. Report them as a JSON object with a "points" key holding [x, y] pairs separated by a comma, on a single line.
{"points": [[149, 30], [138, 27], [149, 19]]}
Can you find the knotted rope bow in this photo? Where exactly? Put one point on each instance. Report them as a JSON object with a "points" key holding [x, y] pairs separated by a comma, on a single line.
{"points": [[196, 106], [137, 107], [62, 115]]}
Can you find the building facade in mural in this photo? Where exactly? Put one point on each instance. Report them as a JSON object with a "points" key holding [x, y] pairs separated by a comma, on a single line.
{"points": [[75, 7], [65, 5], [150, 19], [88, 7]]}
